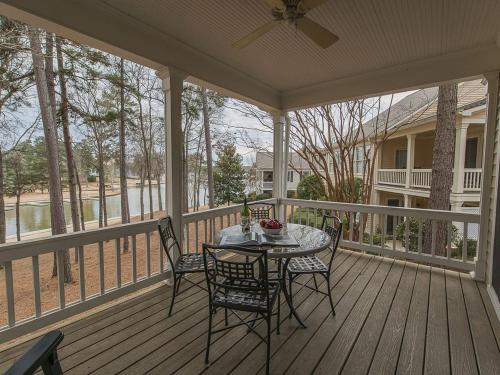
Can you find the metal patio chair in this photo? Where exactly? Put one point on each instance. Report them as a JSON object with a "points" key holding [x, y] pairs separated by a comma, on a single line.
{"points": [[43, 354], [241, 286], [184, 265], [312, 265], [259, 211]]}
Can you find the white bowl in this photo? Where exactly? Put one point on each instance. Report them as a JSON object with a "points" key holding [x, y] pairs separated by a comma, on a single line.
{"points": [[273, 232]]}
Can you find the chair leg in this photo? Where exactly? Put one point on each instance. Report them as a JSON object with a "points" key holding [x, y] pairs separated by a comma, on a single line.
{"points": [[315, 282], [179, 285], [327, 276], [174, 289], [278, 321], [209, 334], [290, 292], [268, 356]]}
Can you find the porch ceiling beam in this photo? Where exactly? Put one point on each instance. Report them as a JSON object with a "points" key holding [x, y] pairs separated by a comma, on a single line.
{"points": [[459, 65], [96, 24]]}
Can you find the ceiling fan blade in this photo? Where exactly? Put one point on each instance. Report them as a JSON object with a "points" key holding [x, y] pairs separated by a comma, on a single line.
{"points": [[256, 34], [274, 4], [310, 4], [319, 35]]}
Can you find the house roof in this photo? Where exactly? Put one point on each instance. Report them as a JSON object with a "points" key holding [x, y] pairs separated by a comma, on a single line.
{"points": [[264, 160], [384, 45], [422, 105]]}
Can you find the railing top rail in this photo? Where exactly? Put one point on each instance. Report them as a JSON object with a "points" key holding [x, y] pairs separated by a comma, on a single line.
{"points": [[27, 248], [395, 211], [219, 211]]}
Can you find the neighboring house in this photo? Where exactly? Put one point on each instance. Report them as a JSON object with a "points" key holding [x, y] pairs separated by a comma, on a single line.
{"points": [[403, 168], [298, 168]]}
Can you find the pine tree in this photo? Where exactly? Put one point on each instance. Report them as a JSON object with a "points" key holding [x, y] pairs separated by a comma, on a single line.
{"points": [[228, 175]]}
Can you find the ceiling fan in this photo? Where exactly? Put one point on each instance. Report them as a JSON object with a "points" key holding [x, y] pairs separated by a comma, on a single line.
{"points": [[294, 12]]}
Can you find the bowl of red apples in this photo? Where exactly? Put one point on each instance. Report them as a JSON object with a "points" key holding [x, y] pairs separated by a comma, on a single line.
{"points": [[271, 226]]}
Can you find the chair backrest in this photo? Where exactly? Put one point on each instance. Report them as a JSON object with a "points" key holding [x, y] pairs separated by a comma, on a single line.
{"points": [[332, 225], [259, 211], [43, 354], [168, 239], [248, 274]]}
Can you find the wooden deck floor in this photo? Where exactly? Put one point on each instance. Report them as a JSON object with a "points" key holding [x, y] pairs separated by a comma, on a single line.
{"points": [[391, 317]]}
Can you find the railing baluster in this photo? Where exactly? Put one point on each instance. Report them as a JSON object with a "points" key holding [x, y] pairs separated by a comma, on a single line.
{"points": [[465, 242], [186, 246], [81, 272], [407, 234], [118, 264], [196, 237], [420, 230], [134, 258], [372, 216], [60, 278], [148, 254], [351, 226], [433, 241], [102, 287], [9, 292], [394, 221], [384, 230], [361, 231], [36, 285], [448, 239]]}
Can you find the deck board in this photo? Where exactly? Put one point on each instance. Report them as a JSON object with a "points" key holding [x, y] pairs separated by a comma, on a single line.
{"points": [[391, 316]]}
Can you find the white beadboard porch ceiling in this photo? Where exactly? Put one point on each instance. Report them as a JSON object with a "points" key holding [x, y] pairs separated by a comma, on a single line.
{"points": [[373, 34], [384, 45]]}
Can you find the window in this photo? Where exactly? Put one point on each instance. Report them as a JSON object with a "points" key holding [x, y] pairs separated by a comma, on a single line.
{"points": [[267, 176], [290, 176], [400, 159], [359, 158], [304, 175]]}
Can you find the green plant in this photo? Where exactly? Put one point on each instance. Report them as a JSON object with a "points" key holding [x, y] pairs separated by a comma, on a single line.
{"points": [[311, 187], [91, 178], [377, 237], [307, 216], [471, 249], [413, 229]]}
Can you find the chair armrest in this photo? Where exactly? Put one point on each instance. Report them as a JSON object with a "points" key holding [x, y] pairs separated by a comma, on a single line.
{"points": [[43, 353]]}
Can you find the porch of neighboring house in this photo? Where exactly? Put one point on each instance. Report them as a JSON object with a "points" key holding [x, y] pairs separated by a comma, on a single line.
{"points": [[391, 315]]}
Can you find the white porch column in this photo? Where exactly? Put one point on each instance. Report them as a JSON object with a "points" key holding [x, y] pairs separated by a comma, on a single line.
{"points": [[459, 165], [489, 186], [279, 176], [172, 83], [410, 158]]}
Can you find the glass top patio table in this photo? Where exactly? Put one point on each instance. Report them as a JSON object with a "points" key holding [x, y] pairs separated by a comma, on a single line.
{"points": [[311, 240]]}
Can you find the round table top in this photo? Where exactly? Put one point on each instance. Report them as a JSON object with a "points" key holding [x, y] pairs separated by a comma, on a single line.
{"points": [[311, 240]]}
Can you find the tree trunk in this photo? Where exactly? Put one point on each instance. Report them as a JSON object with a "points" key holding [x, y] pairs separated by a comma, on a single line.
{"points": [[80, 199], [49, 127], [158, 187], [141, 198], [70, 164], [208, 147], [442, 166], [18, 218], [3, 228], [124, 206]]}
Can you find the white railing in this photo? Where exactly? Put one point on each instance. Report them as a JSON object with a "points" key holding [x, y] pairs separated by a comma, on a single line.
{"points": [[472, 179], [392, 176], [421, 178], [407, 237], [104, 272]]}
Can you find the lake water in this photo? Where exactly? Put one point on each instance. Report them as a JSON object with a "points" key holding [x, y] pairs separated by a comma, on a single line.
{"points": [[35, 218]]}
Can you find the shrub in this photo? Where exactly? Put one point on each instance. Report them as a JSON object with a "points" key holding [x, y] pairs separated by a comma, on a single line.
{"points": [[413, 233], [91, 178], [311, 187], [311, 216], [377, 237], [471, 249]]}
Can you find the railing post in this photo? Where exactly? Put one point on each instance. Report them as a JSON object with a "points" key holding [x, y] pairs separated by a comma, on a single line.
{"points": [[458, 168], [410, 158], [280, 165]]}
